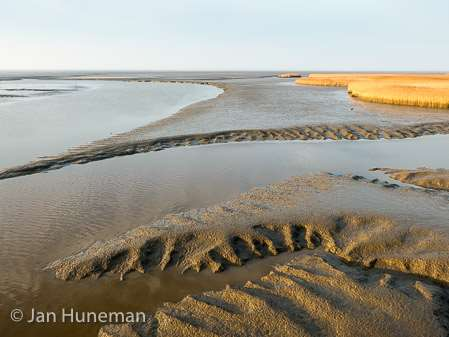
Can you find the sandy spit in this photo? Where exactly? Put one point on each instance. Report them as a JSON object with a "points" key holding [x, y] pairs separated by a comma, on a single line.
{"points": [[428, 178], [312, 295], [289, 75], [100, 151]]}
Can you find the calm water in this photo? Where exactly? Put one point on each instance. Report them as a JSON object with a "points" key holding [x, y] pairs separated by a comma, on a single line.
{"points": [[58, 114], [81, 111], [20, 90], [46, 216]]}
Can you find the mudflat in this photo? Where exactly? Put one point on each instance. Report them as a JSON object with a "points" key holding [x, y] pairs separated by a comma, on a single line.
{"points": [[312, 295], [362, 263], [364, 252], [104, 150]]}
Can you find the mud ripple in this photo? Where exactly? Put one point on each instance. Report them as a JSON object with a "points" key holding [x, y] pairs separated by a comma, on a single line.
{"points": [[110, 148], [268, 221], [312, 295]]}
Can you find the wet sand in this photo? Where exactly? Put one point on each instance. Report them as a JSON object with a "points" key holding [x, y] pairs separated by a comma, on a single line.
{"points": [[274, 103], [266, 221], [324, 214], [109, 294], [125, 192], [255, 108], [64, 211], [312, 295], [424, 177], [397, 234], [98, 151]]}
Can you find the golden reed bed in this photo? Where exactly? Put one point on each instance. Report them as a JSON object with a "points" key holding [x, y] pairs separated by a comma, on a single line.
{"points": [[423, 90]]}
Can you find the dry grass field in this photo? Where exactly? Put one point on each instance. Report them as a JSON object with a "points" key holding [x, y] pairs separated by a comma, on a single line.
{"points": [[423, 90], [336, 80]]}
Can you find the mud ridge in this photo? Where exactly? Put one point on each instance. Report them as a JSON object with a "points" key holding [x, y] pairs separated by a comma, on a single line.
{"points": [[269, 221], [94, 152], [312, 295]]}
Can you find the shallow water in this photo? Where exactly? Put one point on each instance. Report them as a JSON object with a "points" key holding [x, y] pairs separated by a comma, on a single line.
{"points": [[77, 112], [92, 110], [20, 90], [46, 216], [139, 293]]}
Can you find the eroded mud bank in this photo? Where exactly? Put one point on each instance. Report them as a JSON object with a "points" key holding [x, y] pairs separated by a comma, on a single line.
{"points": [[300, 213], [371, 261], [312, 295]]}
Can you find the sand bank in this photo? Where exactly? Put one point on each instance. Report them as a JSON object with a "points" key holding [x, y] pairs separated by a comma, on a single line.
{"points": [[297, 214], [289, 75], [424, 177], [312, 295], [371, 273], [429, 91], [94, 152]]}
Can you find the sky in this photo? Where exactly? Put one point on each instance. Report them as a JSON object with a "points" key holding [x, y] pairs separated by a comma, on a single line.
{"points": [[343, 35]]}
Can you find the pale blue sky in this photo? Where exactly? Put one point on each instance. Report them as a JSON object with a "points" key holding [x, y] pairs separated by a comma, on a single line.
{"points": [[225, 35]]}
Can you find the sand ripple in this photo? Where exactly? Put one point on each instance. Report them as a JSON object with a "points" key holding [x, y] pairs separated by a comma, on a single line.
{"points": [[312, 295], [356, 273], [267, 221], [109, 148]]}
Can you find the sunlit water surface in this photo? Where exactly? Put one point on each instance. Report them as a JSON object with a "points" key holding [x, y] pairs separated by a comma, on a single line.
{"points": [[46, 216], [55, 115]]}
